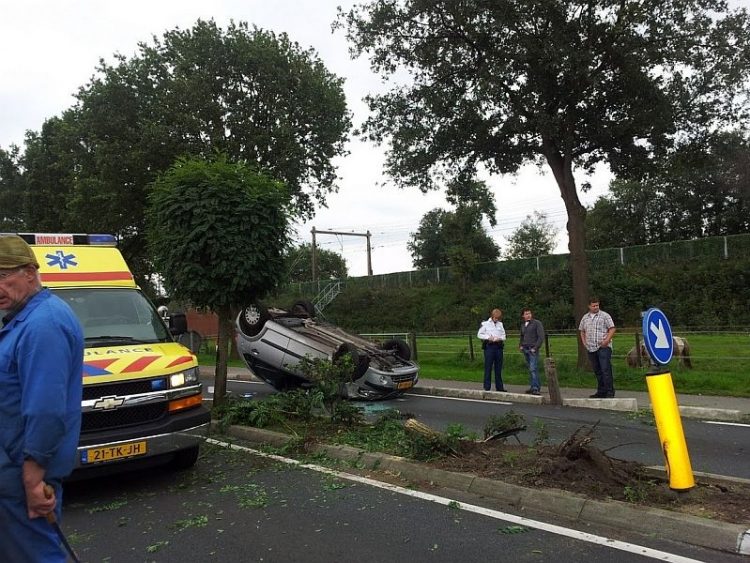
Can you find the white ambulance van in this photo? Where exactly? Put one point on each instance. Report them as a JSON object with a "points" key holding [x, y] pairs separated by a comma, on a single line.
{"points": [[142, 398]]}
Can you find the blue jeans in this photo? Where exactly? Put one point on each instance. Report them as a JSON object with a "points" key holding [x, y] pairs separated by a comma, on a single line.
{"points": [[532, 361], [601, 363], [493, 357]]}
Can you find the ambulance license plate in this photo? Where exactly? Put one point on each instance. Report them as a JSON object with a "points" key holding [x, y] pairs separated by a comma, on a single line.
{"points": [[111, 453], [405, 385]]}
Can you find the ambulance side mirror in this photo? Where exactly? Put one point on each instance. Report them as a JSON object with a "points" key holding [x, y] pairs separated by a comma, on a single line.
{"points": [[178, 324]]}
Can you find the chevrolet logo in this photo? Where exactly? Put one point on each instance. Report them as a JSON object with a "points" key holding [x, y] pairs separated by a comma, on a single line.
{"points": [[108, 403]]}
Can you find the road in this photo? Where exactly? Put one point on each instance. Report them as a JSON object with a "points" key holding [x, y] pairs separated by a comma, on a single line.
{"points": [[237, 506], [720, 448]]}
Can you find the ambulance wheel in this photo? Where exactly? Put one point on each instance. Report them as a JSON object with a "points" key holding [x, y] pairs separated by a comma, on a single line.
{"points": [[252, 318], [185, 459]]}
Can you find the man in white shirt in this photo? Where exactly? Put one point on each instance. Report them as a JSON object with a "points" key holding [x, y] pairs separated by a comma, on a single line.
{"points": [[492, 335]]}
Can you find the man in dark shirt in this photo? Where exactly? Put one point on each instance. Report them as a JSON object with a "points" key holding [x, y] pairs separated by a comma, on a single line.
{"points": [[532, 338]]}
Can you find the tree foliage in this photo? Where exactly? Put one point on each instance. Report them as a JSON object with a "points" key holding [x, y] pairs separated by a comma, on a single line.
{"points": [[251, 94], [456, 238], [217, 232], [534, 237], [702, 189], [329, 264], [498, 83]]}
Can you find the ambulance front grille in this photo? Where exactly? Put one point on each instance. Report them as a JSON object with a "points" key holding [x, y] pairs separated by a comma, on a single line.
{"points": [[123, 417], [123, 388]]}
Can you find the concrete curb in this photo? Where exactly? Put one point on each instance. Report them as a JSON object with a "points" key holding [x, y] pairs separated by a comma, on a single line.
{"points": [[692, 530], [617, 404]]}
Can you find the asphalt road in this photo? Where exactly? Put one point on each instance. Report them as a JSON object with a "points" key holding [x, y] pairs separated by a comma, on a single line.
{"points": [[235, 506], [719, 448]]}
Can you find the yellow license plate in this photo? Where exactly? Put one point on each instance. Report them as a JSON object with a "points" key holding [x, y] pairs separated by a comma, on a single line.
{"points": [[405, 385], [110, 453]]}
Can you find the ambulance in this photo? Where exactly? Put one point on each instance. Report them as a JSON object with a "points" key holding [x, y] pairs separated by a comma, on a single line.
{"points": [[142, 398]]}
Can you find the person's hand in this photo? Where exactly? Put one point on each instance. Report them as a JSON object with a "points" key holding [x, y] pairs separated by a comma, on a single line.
{"points": [[37, 503], [533, 350]]}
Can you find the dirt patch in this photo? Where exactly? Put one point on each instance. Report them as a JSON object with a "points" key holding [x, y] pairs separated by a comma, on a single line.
{"points": [[580, 467]]}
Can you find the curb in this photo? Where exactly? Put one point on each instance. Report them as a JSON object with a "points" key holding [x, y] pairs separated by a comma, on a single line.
{"points": [[617, 404], [683, 528]]}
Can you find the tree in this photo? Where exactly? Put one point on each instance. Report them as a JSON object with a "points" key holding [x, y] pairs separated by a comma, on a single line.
{"points": [[456, 238], [218, 232], [702, 189], [330, 265], [251, 94], [534, 237], [499, 83], [11, 210]]}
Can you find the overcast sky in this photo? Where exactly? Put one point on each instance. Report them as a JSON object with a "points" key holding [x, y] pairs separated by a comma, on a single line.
{"points": [[51, 48]]}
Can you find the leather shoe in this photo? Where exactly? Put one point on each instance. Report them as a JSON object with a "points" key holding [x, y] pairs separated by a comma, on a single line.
{"points": [[596, 396], [501, 390], [535, 392]]}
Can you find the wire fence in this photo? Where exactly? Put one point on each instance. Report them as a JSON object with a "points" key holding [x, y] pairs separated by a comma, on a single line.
{"points": [[709, 248]]}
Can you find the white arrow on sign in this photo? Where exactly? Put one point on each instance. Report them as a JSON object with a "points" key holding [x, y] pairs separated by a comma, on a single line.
{"points": [[661, 336]]}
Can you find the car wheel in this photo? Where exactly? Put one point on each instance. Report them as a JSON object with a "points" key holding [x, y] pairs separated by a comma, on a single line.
{"points": [[360, 361], [252, 318], [185, 459], [303, 308], [399, 346]]}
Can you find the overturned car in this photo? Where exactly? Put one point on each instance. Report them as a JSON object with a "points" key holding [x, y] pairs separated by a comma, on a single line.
{"points": [[273, 341]]}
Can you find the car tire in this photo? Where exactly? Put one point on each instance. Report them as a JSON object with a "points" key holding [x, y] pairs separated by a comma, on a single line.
{"points": [[399, 346], [185, 459], [360, 361], [252, 318], [303, 308]]}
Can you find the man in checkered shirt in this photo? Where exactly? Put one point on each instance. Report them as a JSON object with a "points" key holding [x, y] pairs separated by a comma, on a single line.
{"points": [[596, 330]]}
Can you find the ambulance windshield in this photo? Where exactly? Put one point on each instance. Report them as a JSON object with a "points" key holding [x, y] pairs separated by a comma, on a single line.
{"points": [[114, 315]]}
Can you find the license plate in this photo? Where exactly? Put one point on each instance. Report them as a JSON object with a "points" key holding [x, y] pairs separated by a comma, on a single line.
{"points": [[405, 385], [110, 453]]}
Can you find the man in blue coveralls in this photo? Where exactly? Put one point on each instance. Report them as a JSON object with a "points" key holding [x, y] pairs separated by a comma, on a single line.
{"points": [[41, 366]]}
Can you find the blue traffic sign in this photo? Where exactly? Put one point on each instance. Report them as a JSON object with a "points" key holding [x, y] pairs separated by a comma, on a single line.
{"points": [[657, 336]]}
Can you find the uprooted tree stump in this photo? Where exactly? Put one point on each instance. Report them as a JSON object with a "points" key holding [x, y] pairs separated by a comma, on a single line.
{"points": [[579, 447]]}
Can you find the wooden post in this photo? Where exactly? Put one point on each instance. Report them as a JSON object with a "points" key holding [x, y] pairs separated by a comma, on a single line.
{"points": [[638, 349], [546, 345], [471, 348], [413, 345], [550, 371]]}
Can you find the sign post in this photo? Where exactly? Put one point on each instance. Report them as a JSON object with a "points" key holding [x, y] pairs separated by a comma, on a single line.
{"points": [[657, 338]]}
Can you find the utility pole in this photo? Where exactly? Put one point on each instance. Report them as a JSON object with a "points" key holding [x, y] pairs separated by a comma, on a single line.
{"points": [[369, 248]]}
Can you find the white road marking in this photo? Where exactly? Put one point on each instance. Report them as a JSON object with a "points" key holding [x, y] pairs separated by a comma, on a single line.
{"points": [[520, 520], [726, 423], [459, 399]]}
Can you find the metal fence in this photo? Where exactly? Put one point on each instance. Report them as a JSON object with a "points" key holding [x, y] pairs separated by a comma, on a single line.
{"points": [[710, 248]]}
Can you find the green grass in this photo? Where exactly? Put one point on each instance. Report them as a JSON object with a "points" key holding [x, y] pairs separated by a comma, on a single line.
{"points": [[721, 363]]}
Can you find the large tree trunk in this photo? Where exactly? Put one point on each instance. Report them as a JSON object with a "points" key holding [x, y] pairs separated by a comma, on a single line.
{"points": [[562, 168], [222, 353]]}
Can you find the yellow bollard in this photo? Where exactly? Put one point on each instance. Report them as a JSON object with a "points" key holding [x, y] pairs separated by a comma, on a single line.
{"points": [[671, 435]]}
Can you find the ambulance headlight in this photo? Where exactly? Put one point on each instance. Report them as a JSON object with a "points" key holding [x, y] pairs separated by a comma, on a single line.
{"points": [[185, 377]]}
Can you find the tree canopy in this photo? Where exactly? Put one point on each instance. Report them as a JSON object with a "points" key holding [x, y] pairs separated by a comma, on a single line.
{"points": [[457, 238], [218, 233], [702, 189], [251, 94], [494, 84], [329, 264], [535, 236]]}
